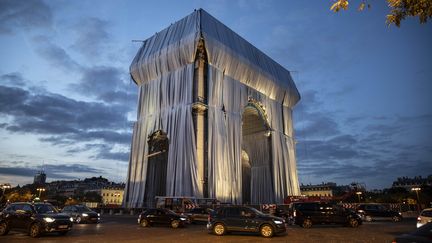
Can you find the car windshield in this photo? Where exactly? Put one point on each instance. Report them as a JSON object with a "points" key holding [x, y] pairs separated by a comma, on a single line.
{"points": [[256, 211], [45, 208], [82, 208]]}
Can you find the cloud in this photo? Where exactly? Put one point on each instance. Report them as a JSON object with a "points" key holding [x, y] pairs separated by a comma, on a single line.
{"points": [[27, 15], [63, 121], [92, 37], [107, 84], [52, 171], [13, 78], [55, 54]]}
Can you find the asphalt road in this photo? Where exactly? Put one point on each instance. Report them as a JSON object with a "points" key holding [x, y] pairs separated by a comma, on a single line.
{"points": [[124, 228]]}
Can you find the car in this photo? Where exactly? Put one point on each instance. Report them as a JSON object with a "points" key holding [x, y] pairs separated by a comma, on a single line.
{"points": [[373, 211], [244, 219], [309, 213], [424, 217], [81, 214], [420, 235], [161, 216], [34, 218], [198, 215]]}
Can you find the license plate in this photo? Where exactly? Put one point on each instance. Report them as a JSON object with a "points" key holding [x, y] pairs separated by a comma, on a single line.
{"points": [[62, 226]]}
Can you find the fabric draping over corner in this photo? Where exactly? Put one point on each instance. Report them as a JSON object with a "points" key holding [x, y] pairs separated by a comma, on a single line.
{"points": [[163, 69], [167, 50], [242, 61], [176, 46], [165, 104]]}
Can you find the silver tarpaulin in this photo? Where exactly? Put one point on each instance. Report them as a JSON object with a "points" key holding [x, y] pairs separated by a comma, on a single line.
{"points": [[246, 163]]}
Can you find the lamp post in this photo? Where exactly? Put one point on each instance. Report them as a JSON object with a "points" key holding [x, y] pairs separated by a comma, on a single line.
{"points": [[417, 189], [358, 194], [40, 189]]}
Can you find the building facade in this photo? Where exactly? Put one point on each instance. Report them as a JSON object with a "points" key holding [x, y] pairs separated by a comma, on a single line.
{"points": [[112, 195], [214, 118]]}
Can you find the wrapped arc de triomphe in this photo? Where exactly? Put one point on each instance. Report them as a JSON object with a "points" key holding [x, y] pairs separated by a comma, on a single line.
{"points": [[214, 118]]}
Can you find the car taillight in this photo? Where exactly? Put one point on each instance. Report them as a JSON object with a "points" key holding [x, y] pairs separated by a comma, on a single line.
{"points": [[295, 213], [209, 218]]}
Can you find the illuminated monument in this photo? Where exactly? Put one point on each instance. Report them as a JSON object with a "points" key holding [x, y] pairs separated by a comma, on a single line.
{"points": [[214, 118]]}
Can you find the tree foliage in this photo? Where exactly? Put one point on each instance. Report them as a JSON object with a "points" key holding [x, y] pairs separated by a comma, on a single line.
{"points": [[399, 9]]}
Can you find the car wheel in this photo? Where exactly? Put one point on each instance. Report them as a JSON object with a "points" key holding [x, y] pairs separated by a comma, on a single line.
{"points": [[144, 223], [266, 231], [219, 229], [175, 224], [307, 223], [78, 220], [397, 219], [4, 228], [35, 230], [354, 223]]}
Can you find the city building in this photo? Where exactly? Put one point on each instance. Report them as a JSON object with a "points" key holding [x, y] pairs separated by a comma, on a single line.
{"points": [[320, 190], [214, 118], [112, 195]]}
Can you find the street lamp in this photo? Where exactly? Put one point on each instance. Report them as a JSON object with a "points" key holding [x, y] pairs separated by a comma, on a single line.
{"points": [[417, 189], [40, 189], [4, 187], [358, 194]]}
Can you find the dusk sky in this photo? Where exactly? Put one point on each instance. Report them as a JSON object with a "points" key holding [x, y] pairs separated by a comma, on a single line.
{"points": [[67, 101]]}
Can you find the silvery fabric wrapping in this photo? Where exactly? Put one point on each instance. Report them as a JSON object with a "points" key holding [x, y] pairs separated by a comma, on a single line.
{"points": [[165, 104], [163, 69]]}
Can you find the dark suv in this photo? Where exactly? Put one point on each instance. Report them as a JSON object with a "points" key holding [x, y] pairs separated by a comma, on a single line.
{"points": [[161, 216], [373, 211], [244, 219], [308, 214], [36, 219]]}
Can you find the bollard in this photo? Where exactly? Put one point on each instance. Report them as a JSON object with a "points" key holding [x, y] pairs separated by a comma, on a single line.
{"points": [[121, 212], [111, 212], [131, 212], [102, 211]]}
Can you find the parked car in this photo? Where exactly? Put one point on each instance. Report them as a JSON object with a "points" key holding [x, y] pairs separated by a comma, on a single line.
{"points": [[424, 217], [373, 211], [81, 214], [421, 235], [36, 219], [161, 216], [198, 215], [310, 213], [244, 219]]}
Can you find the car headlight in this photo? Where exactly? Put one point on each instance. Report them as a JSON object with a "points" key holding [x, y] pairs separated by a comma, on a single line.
{"points": [[71, 219], [84, 215], [182, 218], [98, 214], [399, 213], [277, 222], [49, 219]]}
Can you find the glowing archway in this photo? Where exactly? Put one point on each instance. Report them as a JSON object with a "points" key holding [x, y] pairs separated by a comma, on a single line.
{"points": [[257, 183]]}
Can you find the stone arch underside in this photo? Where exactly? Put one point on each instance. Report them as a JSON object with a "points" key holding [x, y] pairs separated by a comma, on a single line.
{"points": [[257, 183]]}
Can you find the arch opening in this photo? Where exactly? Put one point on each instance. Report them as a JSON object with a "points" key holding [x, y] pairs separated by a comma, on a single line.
{"points": [[156, 167], [257, 182]]}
